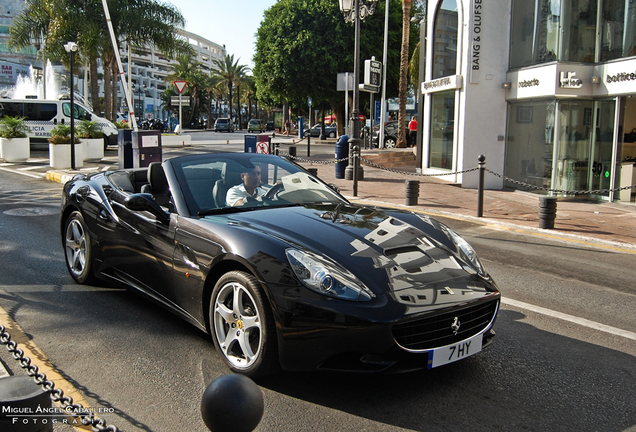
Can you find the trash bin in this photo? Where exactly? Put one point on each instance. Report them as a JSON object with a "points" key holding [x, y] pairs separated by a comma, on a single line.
{"points": [[342, 152], [124, 144], [146, 148]]}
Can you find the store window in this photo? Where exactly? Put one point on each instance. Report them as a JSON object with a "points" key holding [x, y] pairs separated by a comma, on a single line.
{"points": [[536, 25], [445, 44], [442, 129], [579, 30], [530, 143], [618, 29]]}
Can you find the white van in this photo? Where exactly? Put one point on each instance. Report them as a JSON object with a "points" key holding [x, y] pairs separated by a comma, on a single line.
{"points": [[43, 115]]}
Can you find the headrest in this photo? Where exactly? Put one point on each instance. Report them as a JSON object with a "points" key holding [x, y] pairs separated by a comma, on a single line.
{"points": [[231, 174], [157, 178]]}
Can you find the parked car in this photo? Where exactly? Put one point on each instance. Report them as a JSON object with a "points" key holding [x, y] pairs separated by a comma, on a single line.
{"points": [[390, 134], [298, 278], [331, 130], [255, 125], [270, 126], [223, 124]]}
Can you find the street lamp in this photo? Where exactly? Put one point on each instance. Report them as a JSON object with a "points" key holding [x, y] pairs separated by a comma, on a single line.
{"points": [[355, 11], [422, 18], [71, 47], [141, 90]]}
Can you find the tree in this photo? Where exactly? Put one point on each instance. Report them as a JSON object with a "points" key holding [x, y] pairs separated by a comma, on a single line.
{"points": [[230, 71], [302, 46], [404, 67]]}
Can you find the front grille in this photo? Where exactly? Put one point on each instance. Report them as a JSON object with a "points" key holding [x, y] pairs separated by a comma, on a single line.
{"points": [[435, 331]]}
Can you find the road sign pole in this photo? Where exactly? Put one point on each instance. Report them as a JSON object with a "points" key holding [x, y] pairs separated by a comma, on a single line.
{"points": [[180, 124]]}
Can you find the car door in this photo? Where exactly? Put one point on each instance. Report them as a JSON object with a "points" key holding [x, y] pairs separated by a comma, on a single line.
{"points": [[138, 248]]}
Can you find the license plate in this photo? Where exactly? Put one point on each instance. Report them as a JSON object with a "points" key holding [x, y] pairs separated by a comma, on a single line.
{"points": [[452, 353]]}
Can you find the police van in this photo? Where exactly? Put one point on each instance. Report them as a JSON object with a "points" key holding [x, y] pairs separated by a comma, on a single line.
{"points": [[43, 115]]}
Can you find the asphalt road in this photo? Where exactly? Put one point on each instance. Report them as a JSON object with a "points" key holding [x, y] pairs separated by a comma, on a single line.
{"points": [[569, 366]]}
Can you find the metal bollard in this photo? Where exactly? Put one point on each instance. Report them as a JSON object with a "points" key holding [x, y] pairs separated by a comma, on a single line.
{"points": [[276, 149], [480, 195], [412, 189], [21, 393], [232, 403], [547, 212], [292, 151]]}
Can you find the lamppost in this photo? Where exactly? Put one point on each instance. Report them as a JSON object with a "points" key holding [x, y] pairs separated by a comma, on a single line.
{"points": [[71, 47], [141, 89], [356, 11]]}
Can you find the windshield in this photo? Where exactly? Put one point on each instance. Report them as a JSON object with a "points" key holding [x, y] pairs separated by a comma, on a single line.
{"points": [[218, 183]]}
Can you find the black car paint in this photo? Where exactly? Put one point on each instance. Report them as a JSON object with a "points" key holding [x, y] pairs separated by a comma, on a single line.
{"points": [[182, 260]]}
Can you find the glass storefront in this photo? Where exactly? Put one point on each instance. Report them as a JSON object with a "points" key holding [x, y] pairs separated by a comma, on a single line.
{"points": [[530, 138], [445, 46], [548, 30], [442, 129], [578, 135]]}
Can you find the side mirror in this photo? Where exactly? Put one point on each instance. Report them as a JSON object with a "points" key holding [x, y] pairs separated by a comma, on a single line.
{"points": [[145, 202]]}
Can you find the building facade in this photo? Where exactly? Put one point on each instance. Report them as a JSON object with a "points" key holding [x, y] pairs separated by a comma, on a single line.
{"points": [[542, 88], [146, 67]]}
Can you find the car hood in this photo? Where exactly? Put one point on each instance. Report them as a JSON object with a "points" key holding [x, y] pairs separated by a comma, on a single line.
{"points": [[399, 253]]}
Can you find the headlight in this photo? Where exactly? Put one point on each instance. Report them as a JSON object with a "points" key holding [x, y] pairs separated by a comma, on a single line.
{"points": [[325, 277], [466, 251]]}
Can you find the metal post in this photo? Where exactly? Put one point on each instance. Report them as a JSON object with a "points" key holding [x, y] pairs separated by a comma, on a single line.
{"points": [[356, 166], [72, 114], [354, 140], [309, 143], [420, 109], [480, 199]]}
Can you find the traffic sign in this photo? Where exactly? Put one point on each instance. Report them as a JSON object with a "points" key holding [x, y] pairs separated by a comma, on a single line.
{"points": [[262, 147], [185, 101], [180, 85]]}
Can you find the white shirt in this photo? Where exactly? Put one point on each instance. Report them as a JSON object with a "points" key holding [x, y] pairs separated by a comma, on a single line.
{"points": [[238, 192]]}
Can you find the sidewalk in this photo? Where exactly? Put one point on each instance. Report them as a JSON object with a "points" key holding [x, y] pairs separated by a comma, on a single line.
{"points": [[587, 221]]}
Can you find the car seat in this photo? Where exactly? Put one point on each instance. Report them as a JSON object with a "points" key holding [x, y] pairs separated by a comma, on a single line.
{"points": [[230, 176], [157, 184]]}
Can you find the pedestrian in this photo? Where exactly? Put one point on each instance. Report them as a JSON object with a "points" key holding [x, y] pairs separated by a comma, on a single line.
{"points": [[413, 131], [287, 128]]}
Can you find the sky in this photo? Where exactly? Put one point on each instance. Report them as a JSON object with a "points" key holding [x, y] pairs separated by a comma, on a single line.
{"points": [[232, 23]]}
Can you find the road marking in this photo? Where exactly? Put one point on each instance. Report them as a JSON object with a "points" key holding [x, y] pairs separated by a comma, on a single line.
{"points": [[39, 359], [28, 174], [571, 318]]}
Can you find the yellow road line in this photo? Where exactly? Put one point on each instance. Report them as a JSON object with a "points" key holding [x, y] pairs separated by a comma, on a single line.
{"points": [[39, 359]]}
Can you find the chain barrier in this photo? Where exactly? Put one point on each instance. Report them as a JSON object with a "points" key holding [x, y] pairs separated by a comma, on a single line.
{"points": [[517, 182], [49, 386]]}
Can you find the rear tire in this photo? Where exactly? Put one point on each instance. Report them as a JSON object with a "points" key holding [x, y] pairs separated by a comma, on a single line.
{"points": [[389, 143], [242, 325]]}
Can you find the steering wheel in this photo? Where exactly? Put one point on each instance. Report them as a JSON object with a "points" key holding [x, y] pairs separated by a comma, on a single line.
{"points": [[271, 194]]}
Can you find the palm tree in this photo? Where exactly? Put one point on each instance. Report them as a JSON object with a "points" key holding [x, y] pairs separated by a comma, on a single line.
{"points": [[404, 67], [230, 71]]}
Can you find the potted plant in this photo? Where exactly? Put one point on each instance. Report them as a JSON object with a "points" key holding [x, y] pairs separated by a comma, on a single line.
{"points": [[14, 141], [93, 139], [60, 149]]}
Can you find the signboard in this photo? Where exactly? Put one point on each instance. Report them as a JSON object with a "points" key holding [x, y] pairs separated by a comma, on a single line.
{"points": [[180, 85], [451, 82], [344, 81], [372, 73], [185, 101]]}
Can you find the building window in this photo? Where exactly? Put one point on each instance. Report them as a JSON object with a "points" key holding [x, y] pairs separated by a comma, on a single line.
{"points": [[536, 25], [442, 129], [530, 142], [579, 30], [618, 29], [445, 44]]}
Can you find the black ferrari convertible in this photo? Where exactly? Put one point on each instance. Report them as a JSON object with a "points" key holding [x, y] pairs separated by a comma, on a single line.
{"points": [[291, 274]]}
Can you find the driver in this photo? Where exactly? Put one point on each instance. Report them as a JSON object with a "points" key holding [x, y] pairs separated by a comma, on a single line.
{"points": [[249, 190]]}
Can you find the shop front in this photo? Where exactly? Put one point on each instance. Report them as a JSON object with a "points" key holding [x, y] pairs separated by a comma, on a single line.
{"points": [[569, 129]]}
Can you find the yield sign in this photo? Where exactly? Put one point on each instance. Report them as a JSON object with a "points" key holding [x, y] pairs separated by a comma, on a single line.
{"points": [[180, 85]]}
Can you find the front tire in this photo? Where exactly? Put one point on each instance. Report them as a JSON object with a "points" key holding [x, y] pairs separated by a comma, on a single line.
{"points": [[242, 325], [77, 249], [389, 143]]}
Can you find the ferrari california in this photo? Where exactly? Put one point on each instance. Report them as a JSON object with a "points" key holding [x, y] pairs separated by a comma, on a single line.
{"points": [[280, 269]]}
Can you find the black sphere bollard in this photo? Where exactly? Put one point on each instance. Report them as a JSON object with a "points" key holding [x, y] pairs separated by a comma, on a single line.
{"points": [[547, 212], [232, 403], [313, 171], [21, 394], [412, 189]]}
